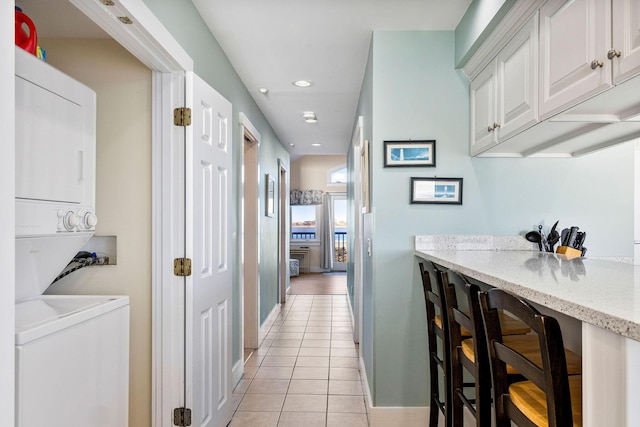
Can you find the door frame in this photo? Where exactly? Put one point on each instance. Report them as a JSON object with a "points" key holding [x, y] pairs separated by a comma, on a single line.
{"points": [[283, 232], [152, 44], [333, 196], [249, 287]]}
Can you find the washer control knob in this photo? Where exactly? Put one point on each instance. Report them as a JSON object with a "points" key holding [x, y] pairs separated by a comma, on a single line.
{"points": [[90, 220], [71, 220]]}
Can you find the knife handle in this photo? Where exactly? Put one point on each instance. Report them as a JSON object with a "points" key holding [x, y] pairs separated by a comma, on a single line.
{"points": [[573, 233]]}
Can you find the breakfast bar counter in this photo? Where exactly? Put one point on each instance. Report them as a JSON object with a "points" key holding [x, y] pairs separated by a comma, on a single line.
{"points": [[603, 295]]}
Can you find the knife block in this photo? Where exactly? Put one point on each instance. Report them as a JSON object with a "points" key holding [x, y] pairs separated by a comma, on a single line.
{"points": [[568, 251]]}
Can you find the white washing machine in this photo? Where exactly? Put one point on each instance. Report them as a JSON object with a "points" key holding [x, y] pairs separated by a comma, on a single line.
{"points": [[72, 361], [72, 352]]}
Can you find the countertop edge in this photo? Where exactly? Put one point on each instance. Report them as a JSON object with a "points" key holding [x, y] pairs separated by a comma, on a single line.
{"points": [[588, 315]]}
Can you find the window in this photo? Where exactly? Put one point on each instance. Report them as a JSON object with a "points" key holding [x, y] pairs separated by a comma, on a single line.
{"points": [[338, 175], [303, 222]]}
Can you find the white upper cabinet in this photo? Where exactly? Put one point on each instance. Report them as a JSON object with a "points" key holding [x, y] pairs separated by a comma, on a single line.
{"points": [[575, 37], [483, 109], [518, 82], [504, 94], [557, 78], [625, 48]]}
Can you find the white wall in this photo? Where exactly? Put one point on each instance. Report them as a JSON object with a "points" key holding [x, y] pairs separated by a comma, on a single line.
{"points": [[7, 221], [123, 192]]}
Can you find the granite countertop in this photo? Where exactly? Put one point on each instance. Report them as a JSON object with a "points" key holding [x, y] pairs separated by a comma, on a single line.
{"points": [[602, 293]]}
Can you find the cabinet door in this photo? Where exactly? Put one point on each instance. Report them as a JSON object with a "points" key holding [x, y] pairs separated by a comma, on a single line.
{"points": [[573, 34], [483, 109], [626, 39], [518, 82]]}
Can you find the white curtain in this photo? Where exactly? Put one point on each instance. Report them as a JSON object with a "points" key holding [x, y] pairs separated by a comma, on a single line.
{"points": [[326, 233]]}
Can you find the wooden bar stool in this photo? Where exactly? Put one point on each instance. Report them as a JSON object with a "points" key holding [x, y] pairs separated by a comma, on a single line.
{"points": [[438, 360], [437, 365], [470, 352], [548, 395]]}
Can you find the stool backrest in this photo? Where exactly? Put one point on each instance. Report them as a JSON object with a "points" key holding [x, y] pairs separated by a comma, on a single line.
{"points": [[457, 285], [431, 282], [430, 277], [551, 378]]}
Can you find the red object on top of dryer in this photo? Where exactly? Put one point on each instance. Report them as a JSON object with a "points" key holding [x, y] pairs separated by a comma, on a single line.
{"points": [[26, 40]]}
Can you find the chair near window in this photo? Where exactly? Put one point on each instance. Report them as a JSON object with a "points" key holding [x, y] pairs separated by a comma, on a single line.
{"points": [[470, 351], [548, 395], [438, 360]]}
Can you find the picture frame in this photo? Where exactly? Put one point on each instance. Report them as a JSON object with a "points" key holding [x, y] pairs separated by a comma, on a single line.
{"points": [[410, 153], [270, 201], [442, 191]]}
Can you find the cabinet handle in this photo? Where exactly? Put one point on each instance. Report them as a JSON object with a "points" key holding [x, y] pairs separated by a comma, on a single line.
{"points": [[496, 126], [613, 54], [595, 64], [490, 129]]}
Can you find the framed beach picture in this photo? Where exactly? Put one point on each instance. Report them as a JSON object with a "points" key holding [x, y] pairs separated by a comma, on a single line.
{"points": [[409, 153], [446, 191], [270, 204]]}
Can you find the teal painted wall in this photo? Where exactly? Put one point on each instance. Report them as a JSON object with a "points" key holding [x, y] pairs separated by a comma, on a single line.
{"points": [[210, 62], [365, 109], [479, 20], [413, 91]]}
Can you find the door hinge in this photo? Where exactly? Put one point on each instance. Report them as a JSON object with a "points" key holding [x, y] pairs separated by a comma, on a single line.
{"points": [[182, 267], [182, 416], [182, 116]]}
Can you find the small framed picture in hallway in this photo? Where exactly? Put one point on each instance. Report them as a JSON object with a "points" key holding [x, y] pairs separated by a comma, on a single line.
{"points": [[409, 153], [270, 201]]}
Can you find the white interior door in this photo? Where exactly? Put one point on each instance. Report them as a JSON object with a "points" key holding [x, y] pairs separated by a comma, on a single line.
{"points": [[208, 241]]}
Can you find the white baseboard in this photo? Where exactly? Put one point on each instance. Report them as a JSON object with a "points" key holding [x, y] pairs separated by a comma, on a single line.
{"points": [[237, 372], [389, 416], [266, 325]]}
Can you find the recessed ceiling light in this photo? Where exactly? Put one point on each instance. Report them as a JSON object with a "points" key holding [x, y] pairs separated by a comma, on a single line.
{"points": [[263, 90], [303, 83], [315, 144], [309, 117], [291, 144]]}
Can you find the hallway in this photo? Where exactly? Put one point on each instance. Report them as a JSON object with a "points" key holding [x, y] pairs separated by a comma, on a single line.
{"points": [[306, 373]]}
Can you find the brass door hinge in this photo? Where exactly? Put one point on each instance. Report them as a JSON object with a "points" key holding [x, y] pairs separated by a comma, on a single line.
{"points": [[182, 116], [182, 267], [182, 417]]}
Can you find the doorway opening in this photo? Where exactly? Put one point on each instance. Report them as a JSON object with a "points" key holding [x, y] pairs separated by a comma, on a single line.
{"points": [[339, 235], [283, 234], [250, 301]]}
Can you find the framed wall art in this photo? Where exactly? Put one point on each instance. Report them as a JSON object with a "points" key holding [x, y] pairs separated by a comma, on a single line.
{"points": [[446, 191], [409, 153], [270, 205]]}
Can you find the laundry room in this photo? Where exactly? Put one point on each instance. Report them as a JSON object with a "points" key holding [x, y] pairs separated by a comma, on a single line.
{"points": [[122, 85]]}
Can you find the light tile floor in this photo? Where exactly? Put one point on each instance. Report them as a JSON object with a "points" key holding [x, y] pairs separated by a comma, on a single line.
{"points": [[306, 372]]}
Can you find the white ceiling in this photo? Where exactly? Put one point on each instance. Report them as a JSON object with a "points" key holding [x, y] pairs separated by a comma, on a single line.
{"points": [[273, 43]]}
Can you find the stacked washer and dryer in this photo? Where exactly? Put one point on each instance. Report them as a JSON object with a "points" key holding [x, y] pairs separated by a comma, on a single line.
{"points": [[72, 351]]}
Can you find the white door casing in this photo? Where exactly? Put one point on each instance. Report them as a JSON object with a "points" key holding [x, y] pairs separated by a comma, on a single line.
{"points": [[208, 243]]}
